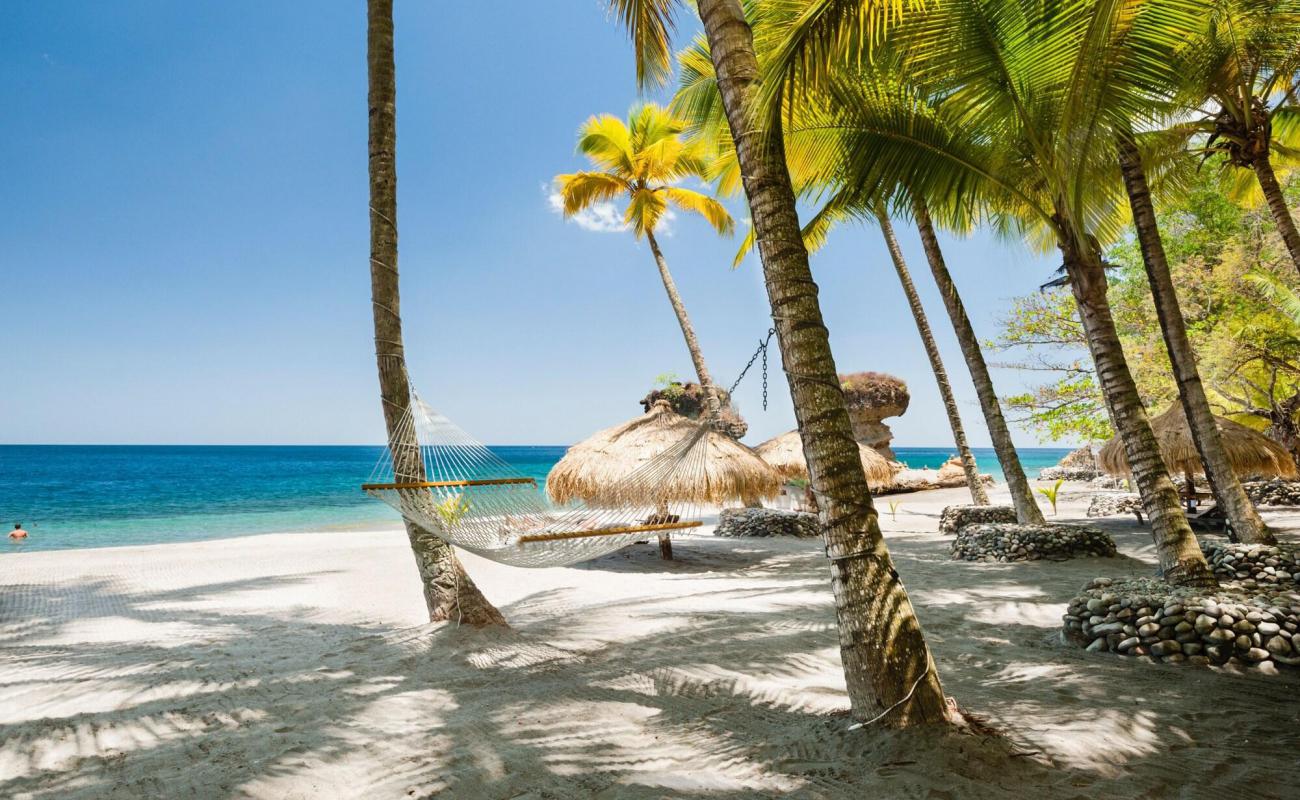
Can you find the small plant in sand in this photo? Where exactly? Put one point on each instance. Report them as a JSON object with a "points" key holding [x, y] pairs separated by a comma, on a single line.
{"points": [[1051, 493], [894, 505]]}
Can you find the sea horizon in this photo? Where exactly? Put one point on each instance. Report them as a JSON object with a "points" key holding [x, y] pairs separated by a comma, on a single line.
{"points": [[72, 496]]}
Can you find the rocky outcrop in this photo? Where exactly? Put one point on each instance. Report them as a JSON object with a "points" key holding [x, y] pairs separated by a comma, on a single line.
{"points": [[1276, 492], [768, 522], [687, 399], [1009, 542], [1148, 618], [954, 518], [949, 476], [872, 397], [1079, 465], [1109, 505]]}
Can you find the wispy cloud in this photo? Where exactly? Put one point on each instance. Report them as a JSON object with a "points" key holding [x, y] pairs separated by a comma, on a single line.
{"points": [[601, 217]]}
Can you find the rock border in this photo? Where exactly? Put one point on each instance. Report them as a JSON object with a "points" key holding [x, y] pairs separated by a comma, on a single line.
{"points": [[954, 518], [1254, 566], [1150, 619], [764, 522], [1003, 542]]}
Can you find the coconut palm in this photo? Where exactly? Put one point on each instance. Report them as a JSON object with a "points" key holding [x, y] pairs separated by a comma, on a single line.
{"points": [[808, 153], [888, 669], [448, 591], [1020, 130], [644, 160], [1224, 483], [1240, 74]]}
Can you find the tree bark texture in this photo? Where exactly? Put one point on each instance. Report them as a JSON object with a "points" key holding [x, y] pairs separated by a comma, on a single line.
{"points": [[887, 666], [978, 496], [1179, 555], [1022, 495], [1286, 226], [1241, 513], [449, 594]]}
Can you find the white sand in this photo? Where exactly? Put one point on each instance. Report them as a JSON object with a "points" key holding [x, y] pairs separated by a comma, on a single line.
{"points": [[296, 666]]}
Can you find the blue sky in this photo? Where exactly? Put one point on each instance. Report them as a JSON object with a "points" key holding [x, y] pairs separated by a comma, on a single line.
{"points": [[183, 235]]}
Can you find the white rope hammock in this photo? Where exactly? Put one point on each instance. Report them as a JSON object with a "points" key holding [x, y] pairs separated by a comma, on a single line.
{"points": [[442, 480]]}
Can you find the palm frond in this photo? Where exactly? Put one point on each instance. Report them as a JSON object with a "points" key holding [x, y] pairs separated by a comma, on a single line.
{"points": [[645, 211], [696, 203], [580, 190], [650, 25]]}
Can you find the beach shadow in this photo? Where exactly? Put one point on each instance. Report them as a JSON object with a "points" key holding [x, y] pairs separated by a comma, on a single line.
{"points": [[714, 690]]}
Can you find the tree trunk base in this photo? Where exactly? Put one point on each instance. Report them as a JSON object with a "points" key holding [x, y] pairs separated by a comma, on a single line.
{"points": [[665, 547]]}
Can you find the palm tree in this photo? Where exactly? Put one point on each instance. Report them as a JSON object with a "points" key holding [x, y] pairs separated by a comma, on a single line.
{"points": [[1025, 103], [810, 157], [1245, 65], [977, 493], [448, 592], [1027, 510], [1241, 513], [643, 160], [888, 669]]}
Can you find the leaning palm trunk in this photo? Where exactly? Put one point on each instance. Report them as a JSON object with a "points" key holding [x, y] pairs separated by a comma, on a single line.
{"points": [[448, 591], [1179, 555], [1245, 520], [679, 308], [887, 665], [711, 400], [1022, 497], [977, 493], [1277, 205]]}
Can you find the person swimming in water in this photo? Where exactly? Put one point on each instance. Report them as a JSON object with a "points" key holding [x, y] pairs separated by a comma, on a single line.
{"points": [[18, 534]]}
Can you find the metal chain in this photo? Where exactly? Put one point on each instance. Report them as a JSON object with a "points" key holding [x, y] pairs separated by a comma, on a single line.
{"points": [[762, 350]]}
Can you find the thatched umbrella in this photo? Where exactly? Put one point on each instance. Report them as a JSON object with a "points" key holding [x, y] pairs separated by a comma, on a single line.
{"points": [[1249, 451], [785, 454], [718, 470]]}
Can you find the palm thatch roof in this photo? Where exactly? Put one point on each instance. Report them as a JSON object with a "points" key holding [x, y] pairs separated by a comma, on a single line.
{"points": [[718, 470], [1249, 451], [785, 454]]}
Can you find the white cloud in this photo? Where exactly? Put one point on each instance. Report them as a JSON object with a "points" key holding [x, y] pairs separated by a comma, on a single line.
{"points": [[603, 217]]}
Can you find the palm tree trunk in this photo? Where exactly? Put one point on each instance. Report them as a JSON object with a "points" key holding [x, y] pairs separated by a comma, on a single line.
{"points": [[1022, 496], [977, 493], [1277, 204], [711, 401], [679, 308], [887, 665], [1241, 513], [1179, 555], [448, 591]]}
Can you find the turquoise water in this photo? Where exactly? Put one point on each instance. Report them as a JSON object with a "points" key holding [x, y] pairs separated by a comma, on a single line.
{"points": [[101, 496]]}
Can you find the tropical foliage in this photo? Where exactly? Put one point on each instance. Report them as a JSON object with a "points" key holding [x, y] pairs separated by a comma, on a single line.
{"points": [[1238, 302]]}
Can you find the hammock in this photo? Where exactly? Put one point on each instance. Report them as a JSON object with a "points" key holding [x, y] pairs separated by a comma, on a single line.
{"points": [[442, 480]]}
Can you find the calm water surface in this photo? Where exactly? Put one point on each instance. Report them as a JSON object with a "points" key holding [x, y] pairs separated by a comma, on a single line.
{"points": [[100, 496]]}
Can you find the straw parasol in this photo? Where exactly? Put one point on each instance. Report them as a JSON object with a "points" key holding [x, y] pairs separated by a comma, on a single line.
{"points": [[785, 454], [1249, 451], [715, 472]]}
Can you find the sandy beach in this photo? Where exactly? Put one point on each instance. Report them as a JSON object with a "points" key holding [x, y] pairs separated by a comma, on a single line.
{"points": [[298, 666]]}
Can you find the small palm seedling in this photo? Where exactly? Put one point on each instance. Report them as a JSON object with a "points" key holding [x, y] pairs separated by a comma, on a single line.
{"points": [[894, 505], [1052, 493]]}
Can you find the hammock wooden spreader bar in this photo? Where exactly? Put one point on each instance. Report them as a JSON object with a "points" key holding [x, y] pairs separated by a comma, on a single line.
{"points": [[442, 480], [552, 537], [438, 484]]}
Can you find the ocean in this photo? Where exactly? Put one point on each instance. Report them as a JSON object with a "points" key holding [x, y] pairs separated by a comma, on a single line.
{"points": [[73, 496]]}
